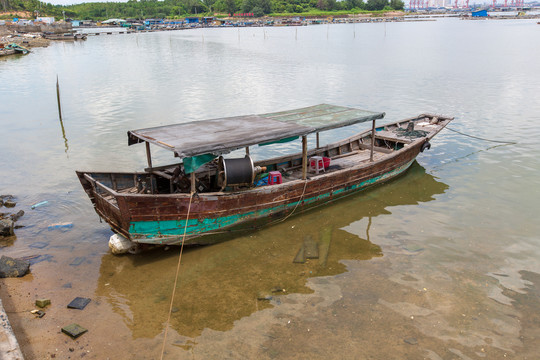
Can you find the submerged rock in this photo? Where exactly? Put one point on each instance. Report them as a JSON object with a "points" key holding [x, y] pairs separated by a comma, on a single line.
{"points": [[6, 227], [10, 267], [411, 341], [17, 216], [264, 296], [9, 203]]}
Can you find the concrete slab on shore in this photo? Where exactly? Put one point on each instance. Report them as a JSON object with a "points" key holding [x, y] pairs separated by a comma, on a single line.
{"points": [[9, 347]]}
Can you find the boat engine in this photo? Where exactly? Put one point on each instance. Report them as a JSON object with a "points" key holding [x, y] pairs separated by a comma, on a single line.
{"points": [[237, 172]]}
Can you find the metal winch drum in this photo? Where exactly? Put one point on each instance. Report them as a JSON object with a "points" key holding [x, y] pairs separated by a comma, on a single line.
{"points": [[237, 172]]}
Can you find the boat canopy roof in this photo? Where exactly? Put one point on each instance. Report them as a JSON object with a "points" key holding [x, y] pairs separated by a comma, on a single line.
{"points": [[219, 136]]}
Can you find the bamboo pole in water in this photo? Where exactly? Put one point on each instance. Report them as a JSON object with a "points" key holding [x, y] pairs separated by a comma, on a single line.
{"points": [[58, 98]]}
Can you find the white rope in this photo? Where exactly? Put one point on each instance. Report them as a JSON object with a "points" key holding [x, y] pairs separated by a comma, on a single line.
{"points": [[298, 203], [176, 277]]}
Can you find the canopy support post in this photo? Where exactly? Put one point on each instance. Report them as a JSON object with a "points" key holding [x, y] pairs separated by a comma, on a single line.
{"points": [[149, 159], [304, 157], [193, 189], [148, 156], [372, 141], [247, 150], [318, 140]]}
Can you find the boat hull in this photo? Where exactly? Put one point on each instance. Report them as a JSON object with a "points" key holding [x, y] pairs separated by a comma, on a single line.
{"points": [[171, 231], [164, 219]]}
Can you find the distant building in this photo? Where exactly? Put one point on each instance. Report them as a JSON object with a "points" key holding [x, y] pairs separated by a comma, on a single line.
{"points": [[153, 22], [45, 20], [480, 13], [208, 19], [23, 21], [192, 20]]}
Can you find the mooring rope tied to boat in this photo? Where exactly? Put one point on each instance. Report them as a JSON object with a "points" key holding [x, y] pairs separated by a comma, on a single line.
{"points": [[480, 138], [180, 259], [298, 203], [267, 224], [176, 277]]}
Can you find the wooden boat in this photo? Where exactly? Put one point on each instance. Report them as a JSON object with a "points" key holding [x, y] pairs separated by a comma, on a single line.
{"points": [[65, 36], [13, 48], [206, 193]]}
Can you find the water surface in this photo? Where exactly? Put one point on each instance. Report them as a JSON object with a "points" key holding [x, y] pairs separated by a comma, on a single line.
{"points": [[440, 263]]}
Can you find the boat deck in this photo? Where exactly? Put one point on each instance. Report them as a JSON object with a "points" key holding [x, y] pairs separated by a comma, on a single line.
{"points": [[340, 162], [345, 154], [337, 163]]}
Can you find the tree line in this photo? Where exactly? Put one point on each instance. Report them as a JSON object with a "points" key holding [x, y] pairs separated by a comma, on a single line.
{"points": [[144, 9]]}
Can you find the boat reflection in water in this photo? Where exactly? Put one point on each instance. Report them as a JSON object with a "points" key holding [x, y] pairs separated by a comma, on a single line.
{"points": [[222, 283]]}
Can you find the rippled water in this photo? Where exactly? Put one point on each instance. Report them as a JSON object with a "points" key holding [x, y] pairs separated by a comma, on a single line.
{"points": [[440, 263]]}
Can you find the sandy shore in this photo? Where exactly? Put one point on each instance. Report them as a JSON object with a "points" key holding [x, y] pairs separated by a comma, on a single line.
{"points": [[26, 40]]}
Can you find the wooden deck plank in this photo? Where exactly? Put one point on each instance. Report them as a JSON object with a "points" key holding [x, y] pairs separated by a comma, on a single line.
{"points": [[391, 136]]}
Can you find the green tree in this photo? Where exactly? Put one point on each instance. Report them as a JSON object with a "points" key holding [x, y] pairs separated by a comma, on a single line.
{"points": [[257, 11], [248, 5], [266, 6], [397, 4], [322, 5], [209, 4], [5, 4], [374, 5], [230, 6]]}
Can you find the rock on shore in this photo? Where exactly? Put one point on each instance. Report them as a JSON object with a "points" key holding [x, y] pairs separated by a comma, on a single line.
{"points": [[10, 267]]}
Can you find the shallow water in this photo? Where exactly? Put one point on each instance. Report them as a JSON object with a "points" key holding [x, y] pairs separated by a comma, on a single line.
{"points": [[439, 263]]}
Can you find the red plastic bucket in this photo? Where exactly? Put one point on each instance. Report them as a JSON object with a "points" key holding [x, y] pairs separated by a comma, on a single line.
{"points": [[326, 162]]}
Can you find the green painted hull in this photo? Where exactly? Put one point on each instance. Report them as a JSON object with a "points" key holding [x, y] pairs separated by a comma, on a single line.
{"points": [[197, 230]]}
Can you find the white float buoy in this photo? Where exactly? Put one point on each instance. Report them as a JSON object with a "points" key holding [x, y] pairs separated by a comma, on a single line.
{"points": [[120, 245]]}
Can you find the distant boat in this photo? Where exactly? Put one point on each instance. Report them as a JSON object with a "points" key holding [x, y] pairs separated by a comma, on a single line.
{"points": [[13, 48], [65, 36], [208, 194]]}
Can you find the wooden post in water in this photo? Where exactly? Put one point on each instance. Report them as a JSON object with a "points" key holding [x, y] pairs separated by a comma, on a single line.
{"points": [[304, 157], [372, 141], [58, 98]]}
